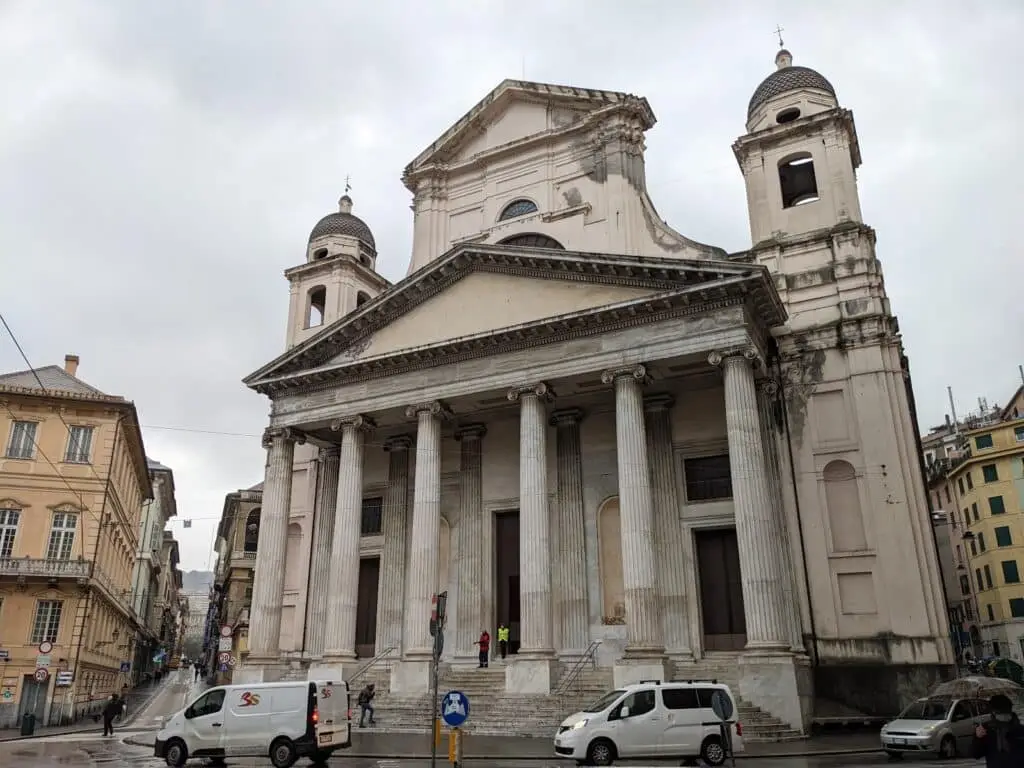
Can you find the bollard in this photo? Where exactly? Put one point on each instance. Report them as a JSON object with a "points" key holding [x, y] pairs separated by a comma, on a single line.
{"points": [[455, 747], [437, 732]]}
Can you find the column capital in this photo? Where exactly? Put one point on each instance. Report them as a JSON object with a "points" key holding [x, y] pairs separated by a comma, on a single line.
{"points": [[270, 434], [358, 422], [638, 372], [398, 443], [541, 389], [330, 451], [748, 353], [658, 403], [471, 432], [433, 407], [567, 417], [768, 386]]}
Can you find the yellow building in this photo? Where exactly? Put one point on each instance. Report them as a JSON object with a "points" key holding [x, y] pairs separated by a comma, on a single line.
{"points": [[73, 478], [988, 485]]}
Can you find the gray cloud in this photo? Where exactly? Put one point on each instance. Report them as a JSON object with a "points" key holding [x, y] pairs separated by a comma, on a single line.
{"points": [[162, 163]]}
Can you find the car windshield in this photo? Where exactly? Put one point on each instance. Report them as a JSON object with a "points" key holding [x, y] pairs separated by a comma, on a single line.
{"points": [[604, 702], [927, 709]]}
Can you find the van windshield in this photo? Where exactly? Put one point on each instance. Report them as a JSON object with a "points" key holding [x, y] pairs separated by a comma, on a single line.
{"points": [[604, 702]]}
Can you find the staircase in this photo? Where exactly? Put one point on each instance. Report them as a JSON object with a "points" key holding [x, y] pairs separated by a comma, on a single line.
{"points": [[758, 725]]}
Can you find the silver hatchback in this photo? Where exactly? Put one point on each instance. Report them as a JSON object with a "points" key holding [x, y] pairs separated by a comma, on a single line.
{"points": [[937, 725]]}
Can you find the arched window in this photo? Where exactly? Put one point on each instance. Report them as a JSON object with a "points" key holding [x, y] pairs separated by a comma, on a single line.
{"points": [[320, 254], [317, 305], [842, 502], [361, 298], [532, 240], [517, 208], [252, 531], [797, 180], [609, 542]]}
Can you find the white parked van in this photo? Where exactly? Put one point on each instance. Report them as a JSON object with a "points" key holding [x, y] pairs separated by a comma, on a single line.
{"points": [[283, 721], [650, 720]]}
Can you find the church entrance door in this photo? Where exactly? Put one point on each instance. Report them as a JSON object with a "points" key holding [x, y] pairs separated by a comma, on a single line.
{"points": [[506, 577], [366, 607], [721, 590]]}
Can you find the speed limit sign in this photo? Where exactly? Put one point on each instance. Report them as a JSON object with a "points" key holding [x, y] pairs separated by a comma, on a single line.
{"points": [[224, 657], [41, 675]]}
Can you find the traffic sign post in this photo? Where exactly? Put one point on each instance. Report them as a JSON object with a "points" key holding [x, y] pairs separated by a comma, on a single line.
{"points": [[722, 706], [45, 647], [41, 675], [455, 713]]}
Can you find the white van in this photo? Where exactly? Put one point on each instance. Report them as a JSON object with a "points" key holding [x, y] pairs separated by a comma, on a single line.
{"points": [[283, 721], [653, 720]]}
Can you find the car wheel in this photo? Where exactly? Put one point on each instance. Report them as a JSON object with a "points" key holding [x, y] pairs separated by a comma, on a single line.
{"points": [[282, 753], [177, 753], [712, 752], [601, 752], [947, 749]]}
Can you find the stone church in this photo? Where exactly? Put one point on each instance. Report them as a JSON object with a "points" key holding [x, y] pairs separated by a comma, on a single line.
{"points": [[619, 442]]}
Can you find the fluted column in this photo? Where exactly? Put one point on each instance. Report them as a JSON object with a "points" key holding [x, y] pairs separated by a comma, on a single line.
{"points": [[324, 510], [268, 579], [343, 596], [672, 562], [571, 605], [470, 537], [757, 530], [421, 578], [636, 510], [535, 635], [391, 593]]}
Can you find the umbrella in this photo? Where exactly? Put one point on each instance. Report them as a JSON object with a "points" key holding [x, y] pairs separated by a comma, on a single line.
{"points": [[1006, 669], [976, 686]]}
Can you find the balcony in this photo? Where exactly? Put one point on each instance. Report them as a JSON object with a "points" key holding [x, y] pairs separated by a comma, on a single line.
{"points": [[24, 568], [240, 559]]}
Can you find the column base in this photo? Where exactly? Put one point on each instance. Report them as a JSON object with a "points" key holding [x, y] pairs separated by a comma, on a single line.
{"points": [[411, 676], [529, 675], [779, 683], [629, 671]]}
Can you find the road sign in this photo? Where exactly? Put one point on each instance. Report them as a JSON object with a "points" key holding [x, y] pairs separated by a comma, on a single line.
{"points": [[43, 661], [126, 666], [226, 630], [225, 644], [42, 674], [224, 657], [65, 678], [721, 705], [454, 709], [45, 647]]}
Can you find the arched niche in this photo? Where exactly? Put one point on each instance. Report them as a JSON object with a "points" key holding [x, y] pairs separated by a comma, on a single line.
{"points": [[533, 240], [609, 540], [293, 556], [842, 502]]}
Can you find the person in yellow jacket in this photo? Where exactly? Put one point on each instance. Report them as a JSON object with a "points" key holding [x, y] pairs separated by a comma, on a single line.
{"points": [[502, 640]]}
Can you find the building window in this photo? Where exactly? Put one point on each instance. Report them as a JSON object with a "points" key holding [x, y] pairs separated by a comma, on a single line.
{"points": [[974, 548], [988, 577], [517, 208], [361, 298], [62, 536], [46, 624], [1003, 536], [949, 497], [974, 510], [1018, 434], [708, 478], [995, 505], [23, 440], [981, 542], [8, 529], [983, 441], [532, 241], [797, 180], [991, 615], [1010, 573], [252, 531], [960, 485], [965, 585], [989, 473], [79, 445], [970, 481], [316, 306], [1017, 607], [373, 509]]}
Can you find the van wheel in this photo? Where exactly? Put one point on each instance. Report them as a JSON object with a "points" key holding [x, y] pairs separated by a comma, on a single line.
{"points": [[601, 752], [712, 752], [282, 753], [177, 753]]}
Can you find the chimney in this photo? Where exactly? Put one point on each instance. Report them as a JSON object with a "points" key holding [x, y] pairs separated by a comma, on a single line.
{"points": [[71, 364]]}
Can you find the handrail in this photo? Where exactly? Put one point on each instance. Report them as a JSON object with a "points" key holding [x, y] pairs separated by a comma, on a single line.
{"points": [[362, 670], [577, 668]]}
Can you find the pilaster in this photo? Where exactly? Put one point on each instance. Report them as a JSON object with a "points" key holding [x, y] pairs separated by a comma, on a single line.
{"points": [[324, 511], [470, 538], [391, 594]]}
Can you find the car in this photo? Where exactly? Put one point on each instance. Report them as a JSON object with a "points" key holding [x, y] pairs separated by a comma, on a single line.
{"points": [[653, 719], [940, 726]]}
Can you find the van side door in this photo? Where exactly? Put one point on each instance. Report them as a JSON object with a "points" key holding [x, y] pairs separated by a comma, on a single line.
{"points": [[204, 724], [637, 723], [683, 729]]}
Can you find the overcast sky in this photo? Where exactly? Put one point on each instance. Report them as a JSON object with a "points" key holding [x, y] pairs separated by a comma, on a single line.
{"points": [[161, 164]]}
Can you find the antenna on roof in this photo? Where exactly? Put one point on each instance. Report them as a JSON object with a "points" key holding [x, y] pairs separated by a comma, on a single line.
{"points": [[348, 186], [778, 31]]}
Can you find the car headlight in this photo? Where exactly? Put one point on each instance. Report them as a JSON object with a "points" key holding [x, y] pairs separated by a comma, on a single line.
{"points": [[579, 724]]}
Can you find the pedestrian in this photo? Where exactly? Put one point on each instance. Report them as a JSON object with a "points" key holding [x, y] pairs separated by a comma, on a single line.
{"points": [[365, 702], [111, 710], [502, 640], [1001, 740], [485, 648], [198, 670]]}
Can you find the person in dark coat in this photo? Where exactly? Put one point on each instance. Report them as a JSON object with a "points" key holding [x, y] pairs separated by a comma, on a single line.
{"points": [[365, 702], [111, 710], [1001, 740]]}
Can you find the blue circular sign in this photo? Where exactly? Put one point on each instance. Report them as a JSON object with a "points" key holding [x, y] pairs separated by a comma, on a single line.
{"points": [[454, 708]]}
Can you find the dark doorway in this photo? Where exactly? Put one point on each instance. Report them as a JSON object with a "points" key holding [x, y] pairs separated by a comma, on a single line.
{"points": [[33, 698], [366, 607], [506, 577], [721, 590]]}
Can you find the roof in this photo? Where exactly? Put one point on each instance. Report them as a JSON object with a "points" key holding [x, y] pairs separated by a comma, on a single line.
{"points": [[50, 378], [343, 222], [157, 466], [787, 78]]}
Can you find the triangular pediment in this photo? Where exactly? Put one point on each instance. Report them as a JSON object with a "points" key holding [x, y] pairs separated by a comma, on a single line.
{"points": [[476, 296], [516, 111]]}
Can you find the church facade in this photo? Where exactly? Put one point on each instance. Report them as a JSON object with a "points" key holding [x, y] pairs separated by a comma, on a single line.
{"points": [[614, 440]]}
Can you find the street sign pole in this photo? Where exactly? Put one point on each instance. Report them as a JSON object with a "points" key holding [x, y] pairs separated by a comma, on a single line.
{"points": [[437, 620]]}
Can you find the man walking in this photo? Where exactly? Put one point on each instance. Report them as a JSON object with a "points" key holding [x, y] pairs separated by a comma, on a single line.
{"points": [[502, 640], [110, 711], [366, 705], [1001, 740]]}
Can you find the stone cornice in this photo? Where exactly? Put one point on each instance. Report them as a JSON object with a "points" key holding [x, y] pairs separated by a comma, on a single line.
{"points": [[769, 138], [690, 286]]}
